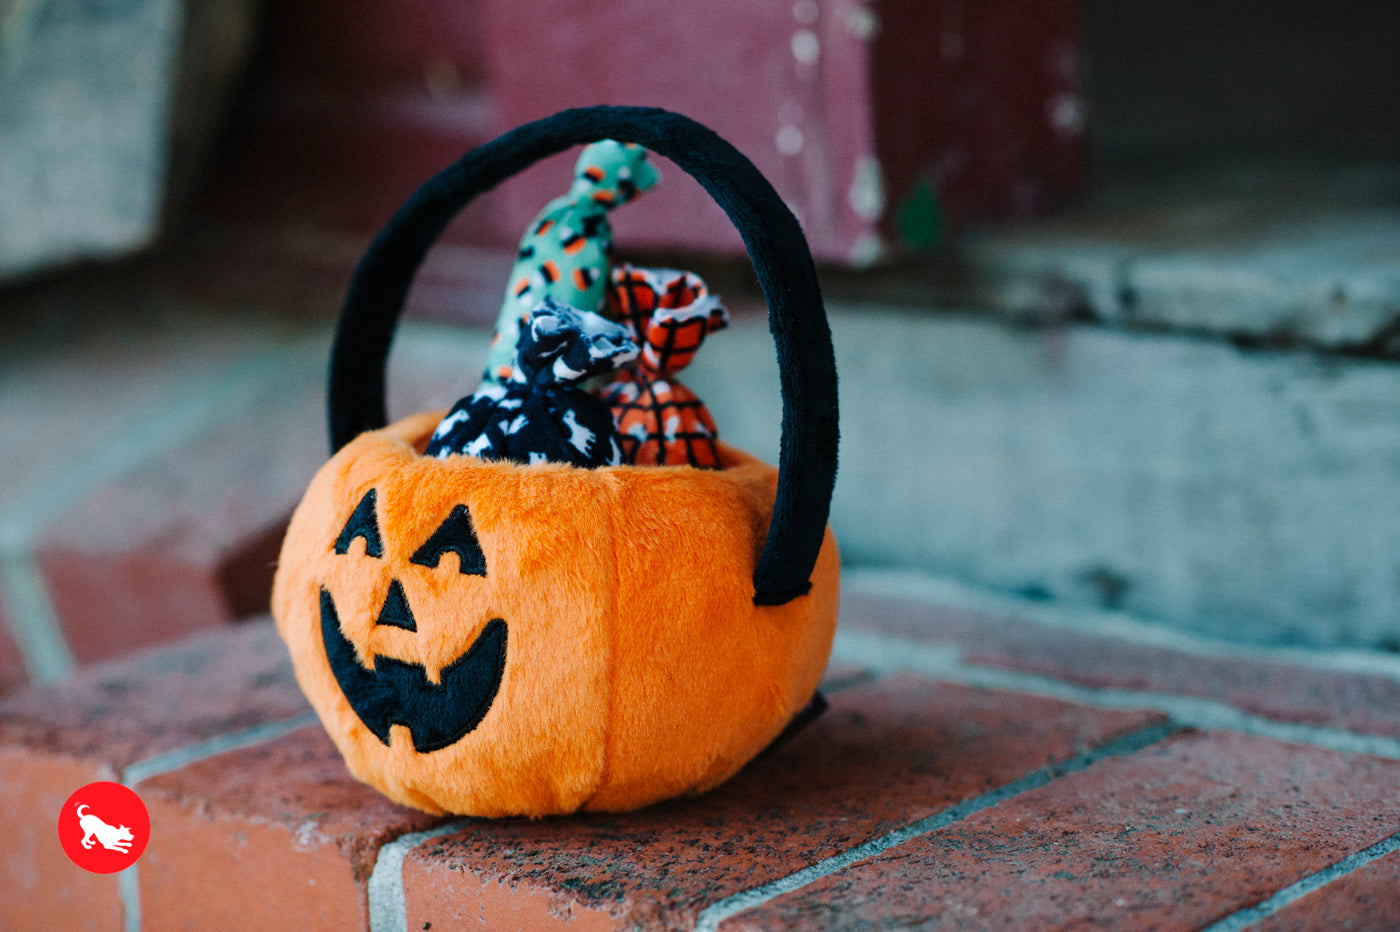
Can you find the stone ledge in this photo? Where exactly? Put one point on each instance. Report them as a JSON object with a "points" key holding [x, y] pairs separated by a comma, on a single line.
{"points": [[1280, 259], [1218, 489]]}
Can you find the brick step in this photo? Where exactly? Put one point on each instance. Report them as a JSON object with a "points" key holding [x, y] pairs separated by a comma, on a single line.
{"points": [[946, 785], [166, 448]]}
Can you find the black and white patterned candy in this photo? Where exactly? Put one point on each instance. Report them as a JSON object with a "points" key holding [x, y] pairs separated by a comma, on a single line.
{"points": [[540, 415]]}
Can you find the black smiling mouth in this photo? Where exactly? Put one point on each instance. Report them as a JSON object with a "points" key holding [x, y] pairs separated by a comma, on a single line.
{"points": [[399, 693]]}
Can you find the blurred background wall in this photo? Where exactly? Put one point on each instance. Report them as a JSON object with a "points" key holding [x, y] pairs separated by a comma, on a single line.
{"points": [[1115, 283]]}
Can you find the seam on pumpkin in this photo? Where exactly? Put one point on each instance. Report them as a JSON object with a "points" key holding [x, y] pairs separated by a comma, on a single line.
{"points": [[612, 506]]}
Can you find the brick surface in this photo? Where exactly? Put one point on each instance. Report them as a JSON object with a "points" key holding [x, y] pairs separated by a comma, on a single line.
{"points": [[86, 366], [55, 739], [1361, 702], [290, 835], [1366, 900], [167, 447], [187, 540], [43, 889], [120, 712], [154, 471], [885, 754], [1173, 837], [13, 674]]}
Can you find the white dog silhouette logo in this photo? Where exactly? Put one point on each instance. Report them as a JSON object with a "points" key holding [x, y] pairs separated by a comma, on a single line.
{"points": [[111, 837], [104, 827]]}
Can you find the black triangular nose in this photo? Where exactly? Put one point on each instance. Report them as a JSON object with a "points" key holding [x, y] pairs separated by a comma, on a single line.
{"points": [[396, 611]]}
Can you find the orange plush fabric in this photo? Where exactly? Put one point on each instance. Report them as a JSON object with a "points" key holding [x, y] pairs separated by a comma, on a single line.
{"points": [[637, 667]]}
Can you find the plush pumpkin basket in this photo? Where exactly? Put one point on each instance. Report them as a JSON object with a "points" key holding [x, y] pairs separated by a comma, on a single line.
{"points": [[491, 638]]}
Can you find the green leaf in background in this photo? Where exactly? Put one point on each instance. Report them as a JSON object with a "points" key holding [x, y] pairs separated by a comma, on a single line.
{"points": [[919, 217]]}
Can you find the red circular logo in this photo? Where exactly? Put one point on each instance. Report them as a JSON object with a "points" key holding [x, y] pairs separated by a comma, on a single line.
{"points": [[104, 827]]}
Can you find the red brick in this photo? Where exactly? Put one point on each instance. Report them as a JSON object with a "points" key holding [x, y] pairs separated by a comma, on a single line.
{"points": [[1364, 900], [119, 712], [290, 836], [76, 382], [43, 889], [927, 89], [55, 739], [1175, 836], [555, 64], [884, 755], [187, 538], [13, 673], [839, 676], [1287, 692], [138, 528], [146, 558]]}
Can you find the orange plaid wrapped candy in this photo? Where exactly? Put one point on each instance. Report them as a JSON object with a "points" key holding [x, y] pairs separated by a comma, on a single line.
{"points": [[659, 421]]}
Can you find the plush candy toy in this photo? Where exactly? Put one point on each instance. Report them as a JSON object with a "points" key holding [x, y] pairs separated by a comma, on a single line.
{"points": [[539, 415], [660, 421], [493, 638], [566, 249]]}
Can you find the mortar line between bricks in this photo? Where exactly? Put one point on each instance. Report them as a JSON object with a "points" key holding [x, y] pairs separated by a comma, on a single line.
{"points": [[1101, 623], [387, 906], [203, 401], [169, 761], [128, 881], [716, 913], [197, 403], [129, 886], [884, 654], [1248, 917], [30, 617]]}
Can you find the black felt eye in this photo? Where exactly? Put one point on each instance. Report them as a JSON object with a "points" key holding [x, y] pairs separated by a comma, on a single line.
{"points": [[457, 535], [362, 523]]}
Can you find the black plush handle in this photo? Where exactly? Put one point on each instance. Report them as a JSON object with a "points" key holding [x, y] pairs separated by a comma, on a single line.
{"points": [[781, 259]]}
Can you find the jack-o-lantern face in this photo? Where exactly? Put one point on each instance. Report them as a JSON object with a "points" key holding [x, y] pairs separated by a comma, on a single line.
{"points": [[396, 692], [490, 638]]}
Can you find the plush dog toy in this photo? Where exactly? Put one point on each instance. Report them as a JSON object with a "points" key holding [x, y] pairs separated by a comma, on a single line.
{"points": [[498, 638], [566, 249], [659, 420], [539, 415]]}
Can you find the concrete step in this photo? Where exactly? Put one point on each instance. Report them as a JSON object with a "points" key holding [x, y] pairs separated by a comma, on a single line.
{"points": [[1242, 492], [1282, 257], [1253, 494]]}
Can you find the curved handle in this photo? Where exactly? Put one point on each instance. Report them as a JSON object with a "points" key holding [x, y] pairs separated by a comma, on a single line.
{"points": [[781, 259]]}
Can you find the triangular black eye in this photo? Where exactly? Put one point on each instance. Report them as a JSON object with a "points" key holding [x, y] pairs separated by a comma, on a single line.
{"points": [[362, 523], [396, 612], [457, 535]]}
